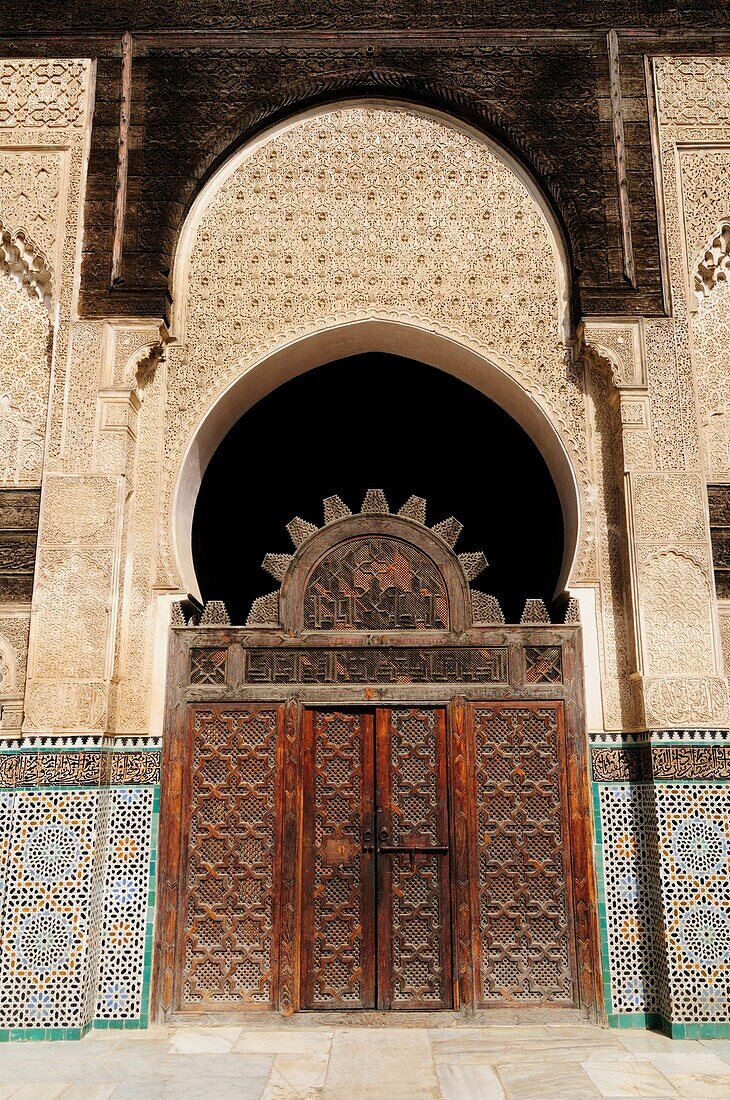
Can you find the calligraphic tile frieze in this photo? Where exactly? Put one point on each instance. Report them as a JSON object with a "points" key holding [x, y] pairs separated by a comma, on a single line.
{"points": [[617, 765], [79, 769], [660, 762]]}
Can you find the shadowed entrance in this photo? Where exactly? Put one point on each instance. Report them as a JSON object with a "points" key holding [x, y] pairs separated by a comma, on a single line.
{"points": [[378, 420]]}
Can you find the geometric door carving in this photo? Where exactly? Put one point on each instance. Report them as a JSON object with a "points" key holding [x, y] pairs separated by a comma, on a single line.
{"points": [[225, 931], [523, 851], [328, 839], [404, 854], [338, 929], [376, 915]]}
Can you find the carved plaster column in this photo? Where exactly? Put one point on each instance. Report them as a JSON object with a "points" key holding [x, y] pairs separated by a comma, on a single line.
{"points": [[83, 541], [677, 663], [681, 669]]}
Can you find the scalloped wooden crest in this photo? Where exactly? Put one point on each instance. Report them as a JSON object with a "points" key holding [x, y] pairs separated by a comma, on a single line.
{"points": [[264, 609]]}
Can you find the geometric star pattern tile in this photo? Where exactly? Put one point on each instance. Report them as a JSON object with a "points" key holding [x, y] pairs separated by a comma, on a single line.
{"points": [[666, 884], [47, 907], [627, 886], [125, 914], [693, 827]]}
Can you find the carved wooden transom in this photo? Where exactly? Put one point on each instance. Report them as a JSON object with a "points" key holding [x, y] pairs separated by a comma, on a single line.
{"points": [[375, 570]]}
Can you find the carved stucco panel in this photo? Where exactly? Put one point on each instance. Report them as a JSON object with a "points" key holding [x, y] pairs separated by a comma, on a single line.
{"points": [[43, 92], [621, 345], [74, 590], [8, 678], [691, 207], [60, 706], [74, 599], [129, 346], [638, 450], [682, 700], [14, 628], [724, 620], [671, 395], [45, 110], [24, 381], [79, 511], [31, 185], [366, 212], [676, 614], [705, 185], [637, 438], [711, 354], [693, 91], [669, 508], [705, 181], [84, 374]]}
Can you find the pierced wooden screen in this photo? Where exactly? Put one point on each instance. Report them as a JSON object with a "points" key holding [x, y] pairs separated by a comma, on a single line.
{"points": [[338, 887], [375, 584], [228, 918], [414, 949], [522, 845]]}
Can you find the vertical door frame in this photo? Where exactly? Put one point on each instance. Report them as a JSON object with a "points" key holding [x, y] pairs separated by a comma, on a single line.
{"points": [[464, 864]]}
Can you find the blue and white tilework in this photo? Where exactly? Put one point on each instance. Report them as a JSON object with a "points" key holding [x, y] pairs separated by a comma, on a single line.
{"points": [[624, 810], [694, 840]]}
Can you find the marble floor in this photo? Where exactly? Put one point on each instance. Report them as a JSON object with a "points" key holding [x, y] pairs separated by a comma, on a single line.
{"points": [[364, 1063]]}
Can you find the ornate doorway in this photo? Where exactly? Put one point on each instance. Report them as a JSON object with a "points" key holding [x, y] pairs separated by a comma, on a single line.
{"points": [[376, 884], [375, 792]]}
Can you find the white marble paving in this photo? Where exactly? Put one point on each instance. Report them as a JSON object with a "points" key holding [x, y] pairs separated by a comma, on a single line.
{"points": [[627, 1078], [469, 1082], [305, 1060]]}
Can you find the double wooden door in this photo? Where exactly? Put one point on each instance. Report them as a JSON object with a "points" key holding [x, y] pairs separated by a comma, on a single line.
{"points": [[376, 920]]}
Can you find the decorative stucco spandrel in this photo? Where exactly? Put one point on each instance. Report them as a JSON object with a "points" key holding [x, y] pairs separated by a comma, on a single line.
{"points": [[364, 212]]}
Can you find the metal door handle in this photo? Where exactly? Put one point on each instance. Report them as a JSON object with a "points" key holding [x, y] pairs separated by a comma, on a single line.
{"points": [[383, 828], [393, 849]]}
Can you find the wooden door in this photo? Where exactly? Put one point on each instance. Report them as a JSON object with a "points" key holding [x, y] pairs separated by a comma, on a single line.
{"points": [[413, 889], [525, 905], [338, 867], [375, 870]]}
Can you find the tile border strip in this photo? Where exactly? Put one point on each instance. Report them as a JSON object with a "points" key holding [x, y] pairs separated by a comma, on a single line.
{"points": [[646, 763], [84, 768]]}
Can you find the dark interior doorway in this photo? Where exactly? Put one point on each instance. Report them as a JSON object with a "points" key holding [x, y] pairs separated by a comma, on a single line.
{"points": [[377, 421]]}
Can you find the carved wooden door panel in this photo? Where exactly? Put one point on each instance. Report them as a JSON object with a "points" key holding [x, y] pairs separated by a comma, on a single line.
{"points": [[338, 873], [226, 912], [375, 875], [523, 846], [414, 916]]}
